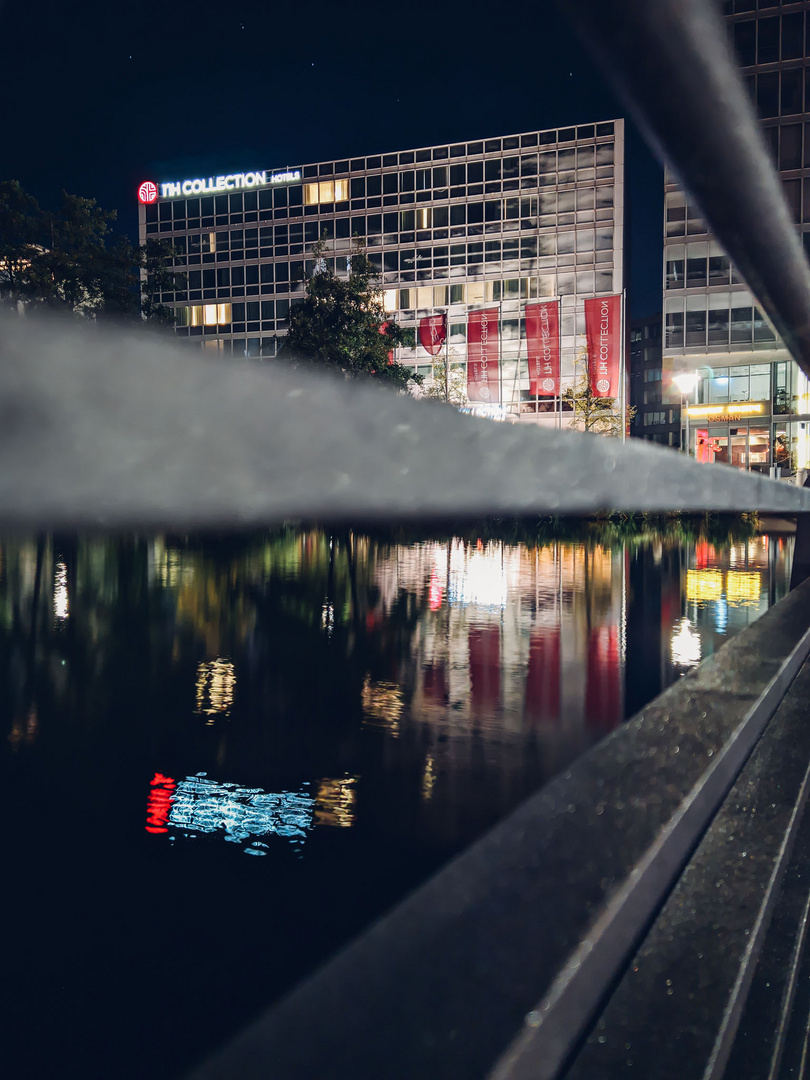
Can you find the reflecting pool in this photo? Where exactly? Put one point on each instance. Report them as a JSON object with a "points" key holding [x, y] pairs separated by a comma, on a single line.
{"points": [[223, 758]]}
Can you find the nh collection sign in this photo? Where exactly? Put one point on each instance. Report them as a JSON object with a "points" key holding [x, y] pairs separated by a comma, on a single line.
{"points": [[148, 191]]}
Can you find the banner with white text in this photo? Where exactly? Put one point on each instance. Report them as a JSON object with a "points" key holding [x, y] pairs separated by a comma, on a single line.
{"points": [[603, 321], [543, 347], [482, 356], [432, 332]]}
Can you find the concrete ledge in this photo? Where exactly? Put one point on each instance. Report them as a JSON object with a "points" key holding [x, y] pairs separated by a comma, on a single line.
{"points": [[125, 430], [499, 962]]}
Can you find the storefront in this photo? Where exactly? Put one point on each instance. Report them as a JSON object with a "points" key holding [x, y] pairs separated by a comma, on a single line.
{"points": [[744, 434]]}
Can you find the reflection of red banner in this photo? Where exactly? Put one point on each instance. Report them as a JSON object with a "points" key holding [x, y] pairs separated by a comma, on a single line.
{"points": [[432, 332], [435, 684], [543, 341], [543, 677], [485, 664], [482, 356], [603, 703], [603, 318], [159, 804]]}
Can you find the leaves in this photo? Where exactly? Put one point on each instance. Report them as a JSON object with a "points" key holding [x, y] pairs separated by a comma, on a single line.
{"points": [[71, 261], [342, 323]]}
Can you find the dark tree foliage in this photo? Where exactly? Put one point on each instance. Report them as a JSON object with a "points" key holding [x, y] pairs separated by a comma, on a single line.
{"points": [[341, 323], [71, 261]]}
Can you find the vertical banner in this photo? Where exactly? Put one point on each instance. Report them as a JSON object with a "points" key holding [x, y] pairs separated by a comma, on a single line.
{"points": [[603, 322], [543, 341], [432, 332], [482, 356]]}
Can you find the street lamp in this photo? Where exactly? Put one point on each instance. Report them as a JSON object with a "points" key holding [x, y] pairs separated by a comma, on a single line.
{"points": [[687, 382]]}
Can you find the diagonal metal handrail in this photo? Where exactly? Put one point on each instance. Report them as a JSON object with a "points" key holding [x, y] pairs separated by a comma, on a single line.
{"points": [[672, 64]]}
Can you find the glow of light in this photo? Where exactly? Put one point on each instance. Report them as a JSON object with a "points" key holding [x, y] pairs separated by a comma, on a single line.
{"points": [[239, 814], [743, 588], [382, 705], [686, 646], [428, 778], [60, 592], [686, 381], [328, 617], [703, 586], [481, 581], [335, 802], [435, 591], [159, 803], [720, 615], [216, 680]]}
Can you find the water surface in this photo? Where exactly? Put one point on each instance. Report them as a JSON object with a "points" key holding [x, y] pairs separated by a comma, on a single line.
{"points": [[222, 759]]}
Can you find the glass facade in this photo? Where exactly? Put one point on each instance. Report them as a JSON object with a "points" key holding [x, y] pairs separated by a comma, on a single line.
{"points": [[498, 221], [711, 321]]}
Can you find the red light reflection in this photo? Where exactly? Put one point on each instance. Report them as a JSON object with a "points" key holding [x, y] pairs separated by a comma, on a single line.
{"points": [[159, 803]]}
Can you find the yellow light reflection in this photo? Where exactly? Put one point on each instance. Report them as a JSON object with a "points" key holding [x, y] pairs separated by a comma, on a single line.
{"points": [[216, 680], [60, 592], [743, 588], [335, 802], [428, 778], [686, 647], [382, 705], [704, 585]]}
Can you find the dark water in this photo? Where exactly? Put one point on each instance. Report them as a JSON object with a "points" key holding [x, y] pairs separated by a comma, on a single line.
{"points": [[222, 760]]}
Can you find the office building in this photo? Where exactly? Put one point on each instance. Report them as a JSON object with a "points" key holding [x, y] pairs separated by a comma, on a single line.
{"points": [[451, 229], [751, 406]]}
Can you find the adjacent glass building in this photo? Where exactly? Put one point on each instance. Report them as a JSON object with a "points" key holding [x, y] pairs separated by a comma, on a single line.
{"points": [[450, 228], [751, 408]]}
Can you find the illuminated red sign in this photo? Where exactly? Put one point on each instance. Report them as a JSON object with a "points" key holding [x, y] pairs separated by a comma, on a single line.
{"points": [[147, 192], [159, 803]]}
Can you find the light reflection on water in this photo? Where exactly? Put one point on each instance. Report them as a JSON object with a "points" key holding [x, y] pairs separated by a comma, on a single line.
{"points": [[353, 711]]}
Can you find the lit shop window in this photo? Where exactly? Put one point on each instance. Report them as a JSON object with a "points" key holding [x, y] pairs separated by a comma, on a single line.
{"points": [[205, 315], [327, 191]]}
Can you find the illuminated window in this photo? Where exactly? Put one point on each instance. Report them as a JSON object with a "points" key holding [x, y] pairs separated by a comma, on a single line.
{"points": [[423, 218], [210, 315], [390, 299], [327, 191]]}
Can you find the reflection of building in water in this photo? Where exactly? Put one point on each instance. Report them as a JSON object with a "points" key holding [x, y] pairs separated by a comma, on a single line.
{"points": [[335, 801], [504, 637], [242, 815], [60, 593], [382, 705], [216, 681]]}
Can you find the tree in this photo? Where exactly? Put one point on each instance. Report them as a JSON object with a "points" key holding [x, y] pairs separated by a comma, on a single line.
{"points": [[156, 259], [341, 323], [72, 261], [600, 415], [436, 389]]}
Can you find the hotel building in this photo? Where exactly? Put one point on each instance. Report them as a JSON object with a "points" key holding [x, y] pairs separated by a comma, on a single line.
{"points": [[450, 229], [751, 407]]}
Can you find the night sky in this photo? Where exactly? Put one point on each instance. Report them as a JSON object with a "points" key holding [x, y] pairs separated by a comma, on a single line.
{"points": [[98, 97]]}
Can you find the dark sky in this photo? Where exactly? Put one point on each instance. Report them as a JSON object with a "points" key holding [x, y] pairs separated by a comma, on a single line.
{"points": [[99, 96]]}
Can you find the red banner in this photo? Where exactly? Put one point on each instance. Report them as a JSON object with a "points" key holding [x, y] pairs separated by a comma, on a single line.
{"points": [[432, 332], [603, 320], [482, 356], [543, 340], [485, 665]]}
